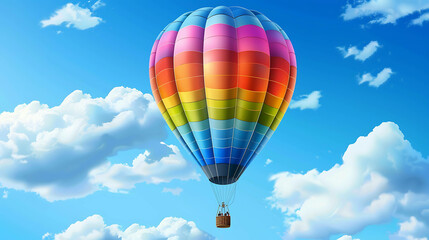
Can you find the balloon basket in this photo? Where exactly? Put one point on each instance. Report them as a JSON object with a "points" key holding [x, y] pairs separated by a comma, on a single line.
{"points": [[223, 219]]}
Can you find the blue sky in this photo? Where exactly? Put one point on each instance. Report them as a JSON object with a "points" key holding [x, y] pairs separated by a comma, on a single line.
{"points": [[333, 108]]}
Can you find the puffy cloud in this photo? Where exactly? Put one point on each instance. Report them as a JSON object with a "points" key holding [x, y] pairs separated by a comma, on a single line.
{"points": [[381, 177], [310, 101], [120, 177], [412, 229], [421, 19], [5, 194], [174, 191], [361, 55], [170, 228], [346, 237], [384, 11], [98, 4], [377, 81], [73, 16], [61, 152], [268, 162], [46, 236]]}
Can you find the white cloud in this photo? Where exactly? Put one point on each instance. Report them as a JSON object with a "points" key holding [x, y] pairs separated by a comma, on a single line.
{"points": [[121, 177], [170, 228], [412, 229], [174, 191], [268, 162], [361, 55], [384, 11], [310, 101], [46, 236], [346, 237], [73, 16], [5, 194], [98, 4], [61, 152], [381, 178], [377, 81], [421, 19]]}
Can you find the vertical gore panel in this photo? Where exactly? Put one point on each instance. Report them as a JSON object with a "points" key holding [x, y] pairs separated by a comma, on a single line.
{"points": [[220, 78]]}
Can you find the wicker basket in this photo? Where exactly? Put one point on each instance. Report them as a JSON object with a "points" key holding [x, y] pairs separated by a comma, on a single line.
{"points": [[223, 221]]}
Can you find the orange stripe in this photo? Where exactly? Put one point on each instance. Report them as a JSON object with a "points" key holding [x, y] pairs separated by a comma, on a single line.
{"points": [[292, 71], [273, 101], [220, 68], [168, 89], [276, 89], [220, 82], [288, 95], [165, 76], [251, 96], [162, 64], [253, 83], [254, 70], [188, 70], [190, 84]]}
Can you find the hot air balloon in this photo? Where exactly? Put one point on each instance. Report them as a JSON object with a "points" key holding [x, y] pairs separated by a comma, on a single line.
{"points": [[223, 78]]}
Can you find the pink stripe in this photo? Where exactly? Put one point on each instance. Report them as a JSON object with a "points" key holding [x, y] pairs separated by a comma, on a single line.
{"points": [[188, 44], [166, 45], [155, 45], [190, 31], [153, 54], [279, 50], [168, 37], [220, 29], [291, 53], [152, 60], [253, 44], [220, 42], [251, 31], [164, 51]]}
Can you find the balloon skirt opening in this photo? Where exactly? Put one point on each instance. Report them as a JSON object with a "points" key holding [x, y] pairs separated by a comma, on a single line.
{"points": [[223, 173]]}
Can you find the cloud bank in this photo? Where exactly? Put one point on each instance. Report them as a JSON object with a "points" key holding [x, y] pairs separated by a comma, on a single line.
{"points": [[381, 177], [384, 11], [94, 228], [310, 101], [378, 80], [72, 15], [61, 152], [361, 55]]}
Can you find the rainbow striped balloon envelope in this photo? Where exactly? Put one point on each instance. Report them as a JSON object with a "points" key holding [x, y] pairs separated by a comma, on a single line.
{"points": [[223, 78]]}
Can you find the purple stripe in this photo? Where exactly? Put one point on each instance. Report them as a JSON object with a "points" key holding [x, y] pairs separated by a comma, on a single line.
{"points": [[279, 50], [275, 36]]}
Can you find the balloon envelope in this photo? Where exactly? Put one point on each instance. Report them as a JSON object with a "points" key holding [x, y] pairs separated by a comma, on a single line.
{"points": [[223, 78]]}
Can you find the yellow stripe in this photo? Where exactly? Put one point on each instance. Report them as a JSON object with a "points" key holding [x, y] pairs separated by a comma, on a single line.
{"points": [[171, 101], [192, 96], [221, 94]]}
